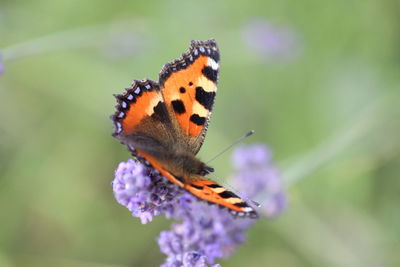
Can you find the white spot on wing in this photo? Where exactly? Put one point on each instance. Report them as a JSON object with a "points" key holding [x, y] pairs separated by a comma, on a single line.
{"points": [[202, 112], [211, 62], [234, 200], [247, 209], [174, 96], [150, 109], [219, 189], [207, 85], [119, 127]]}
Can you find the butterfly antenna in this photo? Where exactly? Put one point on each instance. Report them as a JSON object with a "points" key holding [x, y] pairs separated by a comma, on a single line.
{"points": [[249, 133], [231, 145], [230, 187]]}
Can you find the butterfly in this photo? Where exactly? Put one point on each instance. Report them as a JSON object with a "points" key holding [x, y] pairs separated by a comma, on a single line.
{"points": [[164, 123]]}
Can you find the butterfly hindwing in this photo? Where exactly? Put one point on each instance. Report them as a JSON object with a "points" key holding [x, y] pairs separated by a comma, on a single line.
{"points": [[212, 192], [189, 86], [204, 189]]}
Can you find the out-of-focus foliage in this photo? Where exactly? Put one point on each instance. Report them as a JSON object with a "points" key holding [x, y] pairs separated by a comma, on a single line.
{"points": [[317, 80]]}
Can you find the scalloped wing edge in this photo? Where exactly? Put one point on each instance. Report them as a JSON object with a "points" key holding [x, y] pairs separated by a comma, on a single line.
{"points": [[125, 100], [207, 48]]}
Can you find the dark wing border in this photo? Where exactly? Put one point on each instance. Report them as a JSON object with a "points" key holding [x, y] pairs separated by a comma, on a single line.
{"points": [[207, 48]]}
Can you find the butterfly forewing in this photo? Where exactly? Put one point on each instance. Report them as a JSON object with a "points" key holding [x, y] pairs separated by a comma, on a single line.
{"points": [[189, 86]]}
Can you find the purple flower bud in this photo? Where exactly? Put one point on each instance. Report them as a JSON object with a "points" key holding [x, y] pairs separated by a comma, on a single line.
{"points": [[270, 41]]}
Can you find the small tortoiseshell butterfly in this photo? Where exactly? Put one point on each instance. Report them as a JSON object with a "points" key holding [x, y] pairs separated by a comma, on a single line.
{"points": [[164, 124]]}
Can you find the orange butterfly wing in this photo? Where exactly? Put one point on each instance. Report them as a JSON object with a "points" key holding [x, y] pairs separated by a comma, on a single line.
{"points": [[189, 86]]}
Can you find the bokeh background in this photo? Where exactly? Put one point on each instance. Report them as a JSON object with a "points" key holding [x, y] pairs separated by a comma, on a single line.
{"points": [[317, 80]]}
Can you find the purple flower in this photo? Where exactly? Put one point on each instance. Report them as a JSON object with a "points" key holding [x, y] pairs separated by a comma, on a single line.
{"points": [[205, 230], [202, 232], [144, 192], [270, 41], [253, 163]]}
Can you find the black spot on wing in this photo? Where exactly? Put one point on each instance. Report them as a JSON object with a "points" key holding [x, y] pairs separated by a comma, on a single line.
{"points": [[197, 119], [178, 106], [160, 113], [182, 90], [227, 194], [180, 179], [241, 204], [214, 186], [197, 187], [211, 74], [205, 98]]}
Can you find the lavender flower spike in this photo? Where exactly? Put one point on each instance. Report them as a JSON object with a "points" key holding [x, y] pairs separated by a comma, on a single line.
{"points": [[253, 163], [203, 232], [206, 231], [143, 192]]}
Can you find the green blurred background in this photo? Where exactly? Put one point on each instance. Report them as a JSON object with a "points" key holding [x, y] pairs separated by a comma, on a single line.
{"points": [[321, 89]]}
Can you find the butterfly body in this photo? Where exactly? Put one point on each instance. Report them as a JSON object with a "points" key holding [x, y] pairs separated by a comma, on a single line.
{"points": [[164, 123]]}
